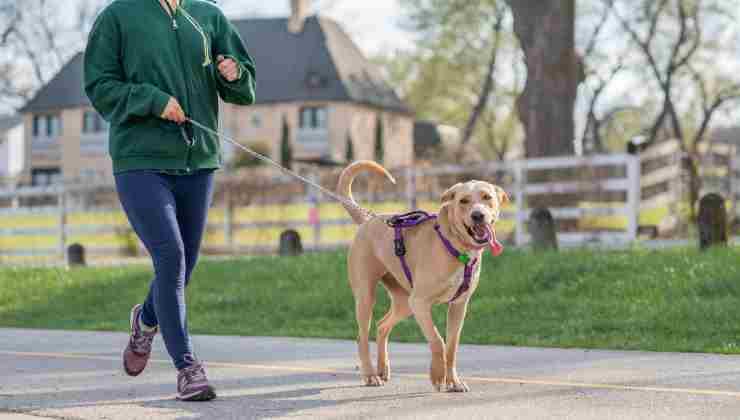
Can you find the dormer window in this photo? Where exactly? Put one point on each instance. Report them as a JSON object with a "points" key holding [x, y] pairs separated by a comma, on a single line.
{"points": [[314, 80]]}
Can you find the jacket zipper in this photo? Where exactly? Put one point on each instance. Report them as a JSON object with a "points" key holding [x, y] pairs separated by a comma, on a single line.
{"points": [[189, 142]]}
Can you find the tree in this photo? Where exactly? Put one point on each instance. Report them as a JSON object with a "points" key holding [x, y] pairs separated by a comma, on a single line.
{"points": [[37, 41], [678, 42], [349, 155], [286, 151], [546, 33], [601, 67], [454, 76], [379, 149], [379, 146], [488, 82]]}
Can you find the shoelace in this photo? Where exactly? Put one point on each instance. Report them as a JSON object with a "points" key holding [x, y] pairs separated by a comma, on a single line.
{"points": [[194, 374], [142, 342]]}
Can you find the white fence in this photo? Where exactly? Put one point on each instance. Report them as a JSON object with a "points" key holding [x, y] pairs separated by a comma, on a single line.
{"points": [[602, 186]]}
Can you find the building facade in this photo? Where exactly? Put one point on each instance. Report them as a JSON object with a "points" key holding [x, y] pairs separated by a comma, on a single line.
{"points": [[311, 79]]}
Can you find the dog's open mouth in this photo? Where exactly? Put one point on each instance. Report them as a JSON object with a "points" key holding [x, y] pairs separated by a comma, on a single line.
{"points": [[480, 232]]}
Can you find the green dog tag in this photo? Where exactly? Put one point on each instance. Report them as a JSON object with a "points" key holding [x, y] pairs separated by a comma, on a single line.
{"points": [[464, 258]]}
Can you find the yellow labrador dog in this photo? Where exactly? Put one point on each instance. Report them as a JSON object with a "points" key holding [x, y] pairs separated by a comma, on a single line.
{"points": [[423, 272]]}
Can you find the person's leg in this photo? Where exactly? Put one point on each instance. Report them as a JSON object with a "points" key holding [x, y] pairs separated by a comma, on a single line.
{"points": [[151, 207], [193, 194]]}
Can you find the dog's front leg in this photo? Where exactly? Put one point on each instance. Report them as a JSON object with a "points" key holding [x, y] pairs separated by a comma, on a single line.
{"points": [[422, 311], [455, 317]]}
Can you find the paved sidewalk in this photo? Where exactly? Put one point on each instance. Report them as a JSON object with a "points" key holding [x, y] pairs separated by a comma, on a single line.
{"points": [[77, 375]]}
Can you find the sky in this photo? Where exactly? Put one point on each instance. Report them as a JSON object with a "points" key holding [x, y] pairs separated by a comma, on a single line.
{"points": [[374, 25]]}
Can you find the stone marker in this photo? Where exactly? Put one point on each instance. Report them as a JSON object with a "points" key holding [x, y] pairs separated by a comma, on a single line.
{"points": [[712, 221], [76, 256], [543, 231], [290, 243]]}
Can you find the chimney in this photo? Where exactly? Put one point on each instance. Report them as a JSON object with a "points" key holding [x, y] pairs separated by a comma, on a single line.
{"points": [[298, 14]]}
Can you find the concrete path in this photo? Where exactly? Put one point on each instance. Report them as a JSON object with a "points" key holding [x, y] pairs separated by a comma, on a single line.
{"points": [[77, 375]]}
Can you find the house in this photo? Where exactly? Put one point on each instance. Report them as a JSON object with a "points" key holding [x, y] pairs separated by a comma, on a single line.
{"points": [[11, 149], [312, 80]]}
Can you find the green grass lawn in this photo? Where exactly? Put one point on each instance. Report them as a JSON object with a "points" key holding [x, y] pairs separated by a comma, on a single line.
{"points": [[679, 300]]}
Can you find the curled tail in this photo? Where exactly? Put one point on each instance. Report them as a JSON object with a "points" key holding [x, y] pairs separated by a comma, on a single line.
{"points": [[344, 187]]}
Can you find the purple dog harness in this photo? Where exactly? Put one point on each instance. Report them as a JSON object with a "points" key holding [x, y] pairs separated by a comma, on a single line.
{"points": [[415, 218]]}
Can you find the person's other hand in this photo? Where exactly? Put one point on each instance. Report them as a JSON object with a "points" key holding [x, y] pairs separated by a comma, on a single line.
{"points": [[228, 68], [173, 112]]}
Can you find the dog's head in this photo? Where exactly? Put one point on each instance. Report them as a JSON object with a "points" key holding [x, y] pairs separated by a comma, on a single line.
{"points": [[473, 207]]}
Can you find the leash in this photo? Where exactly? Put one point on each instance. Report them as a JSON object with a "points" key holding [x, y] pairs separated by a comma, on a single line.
{"points": [[285, 170]]}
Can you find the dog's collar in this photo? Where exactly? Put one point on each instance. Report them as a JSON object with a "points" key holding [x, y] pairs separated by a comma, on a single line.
{"points": [[460, 256]]}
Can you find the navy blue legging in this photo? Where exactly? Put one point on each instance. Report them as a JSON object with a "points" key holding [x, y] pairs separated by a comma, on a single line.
{"points": [[168, 213]]}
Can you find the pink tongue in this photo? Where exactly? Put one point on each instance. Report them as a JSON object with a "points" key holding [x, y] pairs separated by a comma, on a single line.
{"points": [[496, 247]]}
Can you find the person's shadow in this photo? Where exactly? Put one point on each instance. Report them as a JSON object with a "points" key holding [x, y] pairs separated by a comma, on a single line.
{"points": [[245, 398]]}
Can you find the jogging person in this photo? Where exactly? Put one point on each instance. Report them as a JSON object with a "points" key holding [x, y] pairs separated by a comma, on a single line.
{"points": [[150, 65]]}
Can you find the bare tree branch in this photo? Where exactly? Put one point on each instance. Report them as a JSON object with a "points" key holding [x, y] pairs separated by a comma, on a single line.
{"points": [[488, 83], [592, 42]]}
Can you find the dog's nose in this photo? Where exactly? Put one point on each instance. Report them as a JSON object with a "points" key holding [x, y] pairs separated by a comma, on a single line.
{"points": [[478, 217]]}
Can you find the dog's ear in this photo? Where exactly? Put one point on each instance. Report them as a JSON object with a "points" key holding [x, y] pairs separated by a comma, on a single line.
{"points": [[449, 195], [503, 198]]}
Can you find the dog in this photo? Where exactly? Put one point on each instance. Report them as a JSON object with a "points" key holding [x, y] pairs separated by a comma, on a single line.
{"points": [[466, 217]]}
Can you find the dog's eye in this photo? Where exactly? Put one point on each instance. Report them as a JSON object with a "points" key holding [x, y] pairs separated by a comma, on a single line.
{"points": [[465, 201], [487, 197]]}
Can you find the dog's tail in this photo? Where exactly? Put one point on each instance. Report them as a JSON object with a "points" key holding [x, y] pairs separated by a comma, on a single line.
{"points": [[344, 187]]}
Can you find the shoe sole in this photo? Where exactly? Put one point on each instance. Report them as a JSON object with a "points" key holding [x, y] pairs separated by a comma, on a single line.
{"points": [[204, 395]]}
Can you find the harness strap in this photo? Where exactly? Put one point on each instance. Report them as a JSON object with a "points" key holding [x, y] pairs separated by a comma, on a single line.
{"points": [[463, 258], [401, 254], [407, 220]]}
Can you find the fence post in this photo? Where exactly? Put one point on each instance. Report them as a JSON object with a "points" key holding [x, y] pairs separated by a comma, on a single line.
{"points": [[633, 196], [228, 220], [411, 188], [316, 212], [520, 184], [62, 203]]}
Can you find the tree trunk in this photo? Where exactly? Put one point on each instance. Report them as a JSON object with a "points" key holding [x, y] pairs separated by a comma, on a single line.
{"points": [[546, 32]]}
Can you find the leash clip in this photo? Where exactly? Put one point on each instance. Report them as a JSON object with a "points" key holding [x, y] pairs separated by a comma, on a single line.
{"points": [[188, 139]]}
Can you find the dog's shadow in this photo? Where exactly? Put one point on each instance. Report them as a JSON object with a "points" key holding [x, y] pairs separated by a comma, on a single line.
{"points": [[276, 404]]}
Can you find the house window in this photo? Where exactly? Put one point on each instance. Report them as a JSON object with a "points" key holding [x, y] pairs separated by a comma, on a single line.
{"points": [[49, 126], [53, 126], [92, 122], [314, 117], [45, 176], [36, 125]]}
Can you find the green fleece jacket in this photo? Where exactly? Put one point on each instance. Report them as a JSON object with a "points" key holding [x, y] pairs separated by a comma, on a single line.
{"points": [[138, 56]]}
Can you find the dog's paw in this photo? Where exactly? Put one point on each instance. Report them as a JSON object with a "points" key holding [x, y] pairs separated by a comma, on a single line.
{"points": [[438, 373], [457, 386], [384, 371], [372, 380]]}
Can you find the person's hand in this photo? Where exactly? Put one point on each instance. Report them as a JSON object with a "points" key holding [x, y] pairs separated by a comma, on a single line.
{"points": [[173, 112], [228, 68]]}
